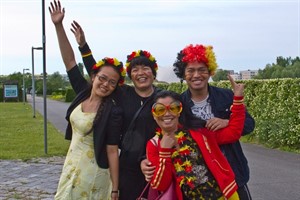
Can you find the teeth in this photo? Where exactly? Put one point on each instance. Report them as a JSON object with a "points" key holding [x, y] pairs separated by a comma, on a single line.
{"points": [[103, 90], [167, 120], [142, 79]]}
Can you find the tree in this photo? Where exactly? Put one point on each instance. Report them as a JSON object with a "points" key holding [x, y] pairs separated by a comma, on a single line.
{"points": [[81, 67], [55, 82], [284, 68], [220, 75]]}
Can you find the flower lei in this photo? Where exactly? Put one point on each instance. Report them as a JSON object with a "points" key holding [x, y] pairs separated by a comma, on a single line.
{"points": [[180, 158], [181, 161], [138, 53], [112, 62], [200, 53]]}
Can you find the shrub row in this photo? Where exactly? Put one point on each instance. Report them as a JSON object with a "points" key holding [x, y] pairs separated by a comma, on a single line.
{"points": [[275, 106]]}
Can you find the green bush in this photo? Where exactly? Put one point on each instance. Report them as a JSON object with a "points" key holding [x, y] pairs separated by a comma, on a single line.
{"points": [[275, 106], [70, 95]]}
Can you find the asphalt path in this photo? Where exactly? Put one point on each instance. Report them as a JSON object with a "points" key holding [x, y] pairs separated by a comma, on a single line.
{"points": [[274, 174], [56, 111]]}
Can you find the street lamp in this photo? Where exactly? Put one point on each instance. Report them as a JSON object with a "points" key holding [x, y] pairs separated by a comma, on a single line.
{"points": [[33, 81], [24, 85]]}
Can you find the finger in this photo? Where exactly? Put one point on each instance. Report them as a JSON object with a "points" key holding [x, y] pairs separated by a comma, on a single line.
{"points": [[210, 123], [52, 8], [74, 27], [231, 80], [59, 5], [208, 126], [72, 31], [55, 4], [49, 10], [214, 128], [76, 24]]}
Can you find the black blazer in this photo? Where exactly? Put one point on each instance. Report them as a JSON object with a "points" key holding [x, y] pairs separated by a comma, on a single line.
{"points": [[107, 129]]}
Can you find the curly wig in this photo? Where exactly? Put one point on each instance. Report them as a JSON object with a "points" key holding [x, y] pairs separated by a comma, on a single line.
{"points": [[195, 53]]}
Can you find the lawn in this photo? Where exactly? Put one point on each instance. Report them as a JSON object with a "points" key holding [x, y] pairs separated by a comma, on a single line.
{"points": [[22, 136]]}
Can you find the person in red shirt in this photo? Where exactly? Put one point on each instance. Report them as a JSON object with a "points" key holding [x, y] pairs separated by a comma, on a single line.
{"points": [[193, 156]]}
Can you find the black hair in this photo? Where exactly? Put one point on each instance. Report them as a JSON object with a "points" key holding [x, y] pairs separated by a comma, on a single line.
{"points": [[141, 60], [104, 99], [179, 66], [167, 93], [95, 71]]}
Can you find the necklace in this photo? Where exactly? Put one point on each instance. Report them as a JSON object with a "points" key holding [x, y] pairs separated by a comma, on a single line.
{"points": [[194, 179]]}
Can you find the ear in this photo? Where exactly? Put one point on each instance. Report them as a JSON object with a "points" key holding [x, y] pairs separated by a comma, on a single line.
{"points": [[155, 118], [93, 77]]}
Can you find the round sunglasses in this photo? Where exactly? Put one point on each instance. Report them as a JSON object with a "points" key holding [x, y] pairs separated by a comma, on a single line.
{"points": [[159, 109]]}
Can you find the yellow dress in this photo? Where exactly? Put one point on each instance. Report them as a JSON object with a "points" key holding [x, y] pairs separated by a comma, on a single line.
{"points": [[81, 177]]}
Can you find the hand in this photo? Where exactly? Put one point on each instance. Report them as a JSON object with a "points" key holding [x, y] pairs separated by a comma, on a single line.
{"points": [[78, 33], [114, 196], [57, 14], [215, 123], [168, 141], [238, 88], [147, 169]]}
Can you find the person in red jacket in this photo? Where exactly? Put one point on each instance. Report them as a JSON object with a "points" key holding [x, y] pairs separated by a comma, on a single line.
{"points": [[193, 156]]}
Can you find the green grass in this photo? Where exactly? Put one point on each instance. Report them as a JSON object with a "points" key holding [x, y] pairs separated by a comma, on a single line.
{"points": [[22, 136]]}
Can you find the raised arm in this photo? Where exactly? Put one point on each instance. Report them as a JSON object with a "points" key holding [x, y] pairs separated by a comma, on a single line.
{"points": [[238, 90], [84, 49], [57, 15], [232, 132]]}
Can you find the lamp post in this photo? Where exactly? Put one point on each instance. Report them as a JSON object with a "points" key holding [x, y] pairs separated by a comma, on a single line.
{"points": [[24, 85], [33, 81], [44, 75]]}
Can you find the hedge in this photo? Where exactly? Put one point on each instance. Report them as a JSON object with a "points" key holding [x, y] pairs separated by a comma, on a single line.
{"points": [[275, 106], [70, 95]]}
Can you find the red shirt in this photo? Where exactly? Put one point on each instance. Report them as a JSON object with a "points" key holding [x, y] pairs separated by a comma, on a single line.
{"points": [[208, 143]]}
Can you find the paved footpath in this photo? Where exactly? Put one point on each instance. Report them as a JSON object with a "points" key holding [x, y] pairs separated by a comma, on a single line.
{"points": [[33, 179]]}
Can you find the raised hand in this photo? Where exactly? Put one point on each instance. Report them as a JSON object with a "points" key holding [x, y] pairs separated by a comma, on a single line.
{"points": [[238, 88], [57, 13], [78, 33]]}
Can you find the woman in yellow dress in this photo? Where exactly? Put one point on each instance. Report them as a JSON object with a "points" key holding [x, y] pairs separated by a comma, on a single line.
{"points": [[91, 168]]}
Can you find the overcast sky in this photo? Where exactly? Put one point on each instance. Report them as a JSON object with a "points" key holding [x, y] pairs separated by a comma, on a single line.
{"points": [[245, 34]]}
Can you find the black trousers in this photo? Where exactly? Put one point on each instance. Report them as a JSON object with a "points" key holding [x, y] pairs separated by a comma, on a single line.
{"points": [[244, 193], [131, 184]]}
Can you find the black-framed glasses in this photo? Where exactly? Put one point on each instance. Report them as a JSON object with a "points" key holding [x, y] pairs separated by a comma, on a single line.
{"points": [[159, 109], [104, 79]]}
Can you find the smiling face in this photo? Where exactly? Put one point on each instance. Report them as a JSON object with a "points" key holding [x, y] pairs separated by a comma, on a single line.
{"points": [[105, 81], [196, 75], [142, 77], [168, 121]]}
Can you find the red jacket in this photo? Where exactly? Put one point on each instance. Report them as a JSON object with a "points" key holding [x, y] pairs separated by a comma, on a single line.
{"points": [[208, 143]]}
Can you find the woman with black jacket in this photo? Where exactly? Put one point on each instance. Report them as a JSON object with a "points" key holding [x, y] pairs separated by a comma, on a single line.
{"points": [[91, 168]]}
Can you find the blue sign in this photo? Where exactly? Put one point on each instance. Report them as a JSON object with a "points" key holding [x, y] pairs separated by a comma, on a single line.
{"points": [[10, 91]]}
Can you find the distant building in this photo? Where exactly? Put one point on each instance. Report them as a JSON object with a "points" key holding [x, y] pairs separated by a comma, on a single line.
{"points": [[243, 75], [231, 72], [236, 76], [248, 74]]}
